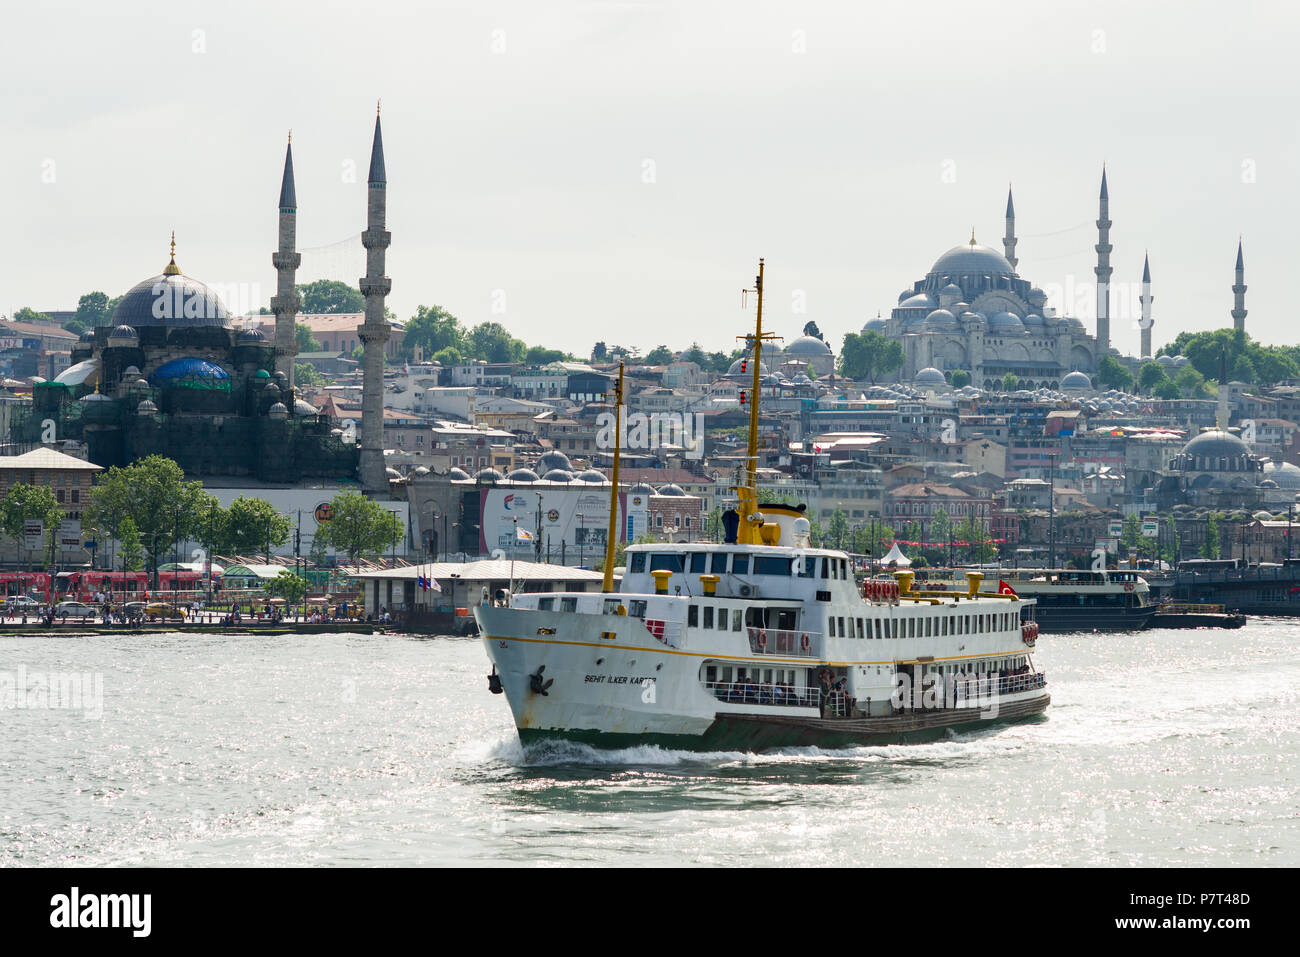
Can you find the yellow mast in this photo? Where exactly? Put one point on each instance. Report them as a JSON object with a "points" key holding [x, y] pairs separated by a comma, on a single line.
{"points": [[747, 492], [608, 585]]}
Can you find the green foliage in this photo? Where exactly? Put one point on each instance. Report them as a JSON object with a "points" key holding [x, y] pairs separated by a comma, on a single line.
{"points": [[93, 310], [432, 329], [1150, 376], [1264, 365], [1168, 389], [306, 341], [1010, 382], [359, 528], [448, 357], [292, 588], [491, 342], [1111, 374], [30, 315], [659, 356], [328, 296], [75, 326], [837, 529], [304, 373], [960, 378], [868, 355], [541, 356], [26, 503], [131, 554], [599, 352], [1210, 547], [154, 495], [253, 525]]}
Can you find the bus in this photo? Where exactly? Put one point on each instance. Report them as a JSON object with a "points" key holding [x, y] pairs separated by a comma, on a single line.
{"points": [[126, 586], [35, 584]]}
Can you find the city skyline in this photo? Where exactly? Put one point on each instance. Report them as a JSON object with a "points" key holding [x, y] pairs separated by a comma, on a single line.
{"points": [[629, 163]]}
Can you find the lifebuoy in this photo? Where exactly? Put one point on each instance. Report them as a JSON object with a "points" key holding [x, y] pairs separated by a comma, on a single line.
{"points": [[762, 640], [1128, 586], [805, 643]]}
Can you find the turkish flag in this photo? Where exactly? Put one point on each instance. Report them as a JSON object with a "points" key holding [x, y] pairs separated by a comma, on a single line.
{"points": [[1005, 589]]}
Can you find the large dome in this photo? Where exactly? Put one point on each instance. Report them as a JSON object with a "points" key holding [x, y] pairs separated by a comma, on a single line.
{"points": [[970, 259], [808, 346], [171, 299], [1215, 444]]}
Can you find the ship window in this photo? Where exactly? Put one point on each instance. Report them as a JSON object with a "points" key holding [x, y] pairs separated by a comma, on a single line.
{"points": [[693, 616], [878, 632], [638, 563], [825, 567], [736, 621], [722, 619], [672, 563], [636, 607], [844, 569], [568, 604], [708, 616], [862, 632], [830, 627], [740, 565], [842, 628], [545, 604], [771, 566], [697, 562], [929, 628], [711, 673], [719, 563], [767, 675]]}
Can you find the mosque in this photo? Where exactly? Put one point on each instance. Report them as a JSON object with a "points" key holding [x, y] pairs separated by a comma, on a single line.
{"points": [[974, 312], [170, 374]]}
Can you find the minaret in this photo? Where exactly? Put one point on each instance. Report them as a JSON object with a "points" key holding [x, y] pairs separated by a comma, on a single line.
{"points": [[1145, 300], [1239, 294], [1103, 271], [1009, 240], [374, 332], [286, 261]]}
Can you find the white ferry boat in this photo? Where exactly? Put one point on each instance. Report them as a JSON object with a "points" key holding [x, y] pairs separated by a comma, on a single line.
{"points": [[758, 642]]}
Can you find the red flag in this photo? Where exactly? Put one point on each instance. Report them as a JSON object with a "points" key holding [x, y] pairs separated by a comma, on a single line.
{"points": [[1005, 589]]}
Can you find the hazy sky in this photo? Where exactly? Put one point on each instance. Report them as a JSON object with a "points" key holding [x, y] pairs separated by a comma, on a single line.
{"points": [[584, 171]]}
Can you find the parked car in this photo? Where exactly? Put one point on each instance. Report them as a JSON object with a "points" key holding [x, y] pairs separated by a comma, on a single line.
{"points": [[163, 611], [74, 609], [17, 604]]}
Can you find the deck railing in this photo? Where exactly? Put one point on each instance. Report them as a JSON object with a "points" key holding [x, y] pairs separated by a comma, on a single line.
{"points": [[754, 692], [773, 641]]}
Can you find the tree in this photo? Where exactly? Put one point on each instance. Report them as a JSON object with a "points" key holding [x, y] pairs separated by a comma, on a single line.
{"points": [[304, 373], [1131, 534], [1210, 547], [491, 342], [26, 314], [328, 296], [306, 341], [1150, 376], [292, 588], [253, 525], [960, 378], [1010, 382], [432, 329], [1112, 375], [541, 356], [837, 529], [92, 310], [1190, 382], [154, 495], [659, 356], [75, 326], [869, 354], [448, 357], [599, 352], [30, 503], [359, 528], [132, 554], [1243, 370], [1168, 389]]}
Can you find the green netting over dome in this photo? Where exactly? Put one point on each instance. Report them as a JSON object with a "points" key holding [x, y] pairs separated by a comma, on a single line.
{"points": [[191, 374]]}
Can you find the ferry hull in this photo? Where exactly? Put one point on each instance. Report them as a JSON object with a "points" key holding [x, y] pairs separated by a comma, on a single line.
{"points": [[621, 688], [1059, 619]]}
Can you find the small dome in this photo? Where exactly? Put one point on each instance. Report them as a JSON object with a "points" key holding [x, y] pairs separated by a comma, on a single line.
{"points": [[488, 475], [146, 408], [253, 336], [140, 385], [553, 460], [1006, 323], [591, 475], [457, 475], [952, 289], [929, 378], [272, 388], [558, 475], [87, 336], [421, 470], [919, 301], [641, 489], [1076, 380], [522, 475], [874, 325], [95, 397], [130, 372], [941, 319], [734, 368], [303, 407], [1033, 319], [671, 489], [278, 411], [123, 336], [261, 374]]}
